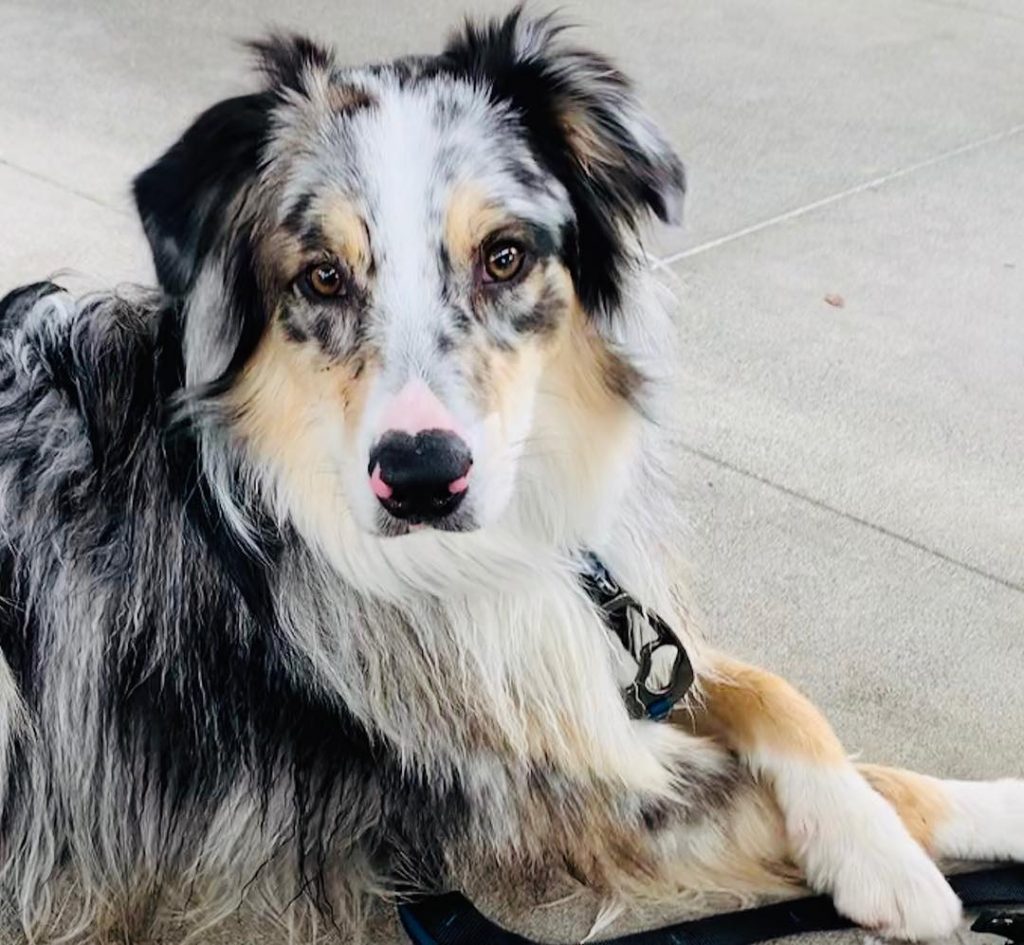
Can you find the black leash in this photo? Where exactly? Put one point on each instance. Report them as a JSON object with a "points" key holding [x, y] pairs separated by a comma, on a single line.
{"points": [[452, 919]]}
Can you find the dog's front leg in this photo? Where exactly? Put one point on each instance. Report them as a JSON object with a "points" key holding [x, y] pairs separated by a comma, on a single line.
{"points": [[848, 840]]}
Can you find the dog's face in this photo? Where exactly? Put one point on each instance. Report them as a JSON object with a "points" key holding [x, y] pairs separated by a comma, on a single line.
{"points": [[380, 268]]}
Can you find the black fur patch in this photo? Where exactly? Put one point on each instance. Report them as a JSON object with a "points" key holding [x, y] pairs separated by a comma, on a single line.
{"points": [[295, 220], [248, 312], [623, 378], [705, 796], [14, 305], [18, 631], [292, 331], [183, 197], [543, 318], [286, 59]]}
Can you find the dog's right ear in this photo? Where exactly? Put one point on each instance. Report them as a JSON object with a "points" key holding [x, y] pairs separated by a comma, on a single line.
{"points": [[183, 197]]}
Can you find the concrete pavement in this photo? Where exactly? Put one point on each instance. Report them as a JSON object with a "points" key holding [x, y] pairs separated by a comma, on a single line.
{"points": [[855, 472]]}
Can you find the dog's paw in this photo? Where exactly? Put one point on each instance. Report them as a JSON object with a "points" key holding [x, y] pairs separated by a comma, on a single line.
{"points": [[985, 821], [853, 845], [897, 892]]}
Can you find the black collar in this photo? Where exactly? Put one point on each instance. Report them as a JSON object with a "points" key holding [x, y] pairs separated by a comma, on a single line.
{"points": [[619, 609]]}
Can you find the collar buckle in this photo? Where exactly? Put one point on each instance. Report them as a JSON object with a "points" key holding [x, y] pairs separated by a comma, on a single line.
{"points": [[620, 609], [641, 700]]}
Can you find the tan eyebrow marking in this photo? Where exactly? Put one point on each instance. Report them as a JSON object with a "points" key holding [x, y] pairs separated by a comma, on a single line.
{"points": [[471, 216], [346, 233]]}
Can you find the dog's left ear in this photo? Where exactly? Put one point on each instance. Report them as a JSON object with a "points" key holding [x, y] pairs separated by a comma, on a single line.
{"points": [[587, 126]]}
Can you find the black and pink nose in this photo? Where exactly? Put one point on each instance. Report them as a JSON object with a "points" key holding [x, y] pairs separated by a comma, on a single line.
{"points": [[419, 469]]}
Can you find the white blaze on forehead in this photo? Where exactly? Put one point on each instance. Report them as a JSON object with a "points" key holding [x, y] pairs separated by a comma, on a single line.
{"points": [[398, 159], [414, 149], [408, 162]]}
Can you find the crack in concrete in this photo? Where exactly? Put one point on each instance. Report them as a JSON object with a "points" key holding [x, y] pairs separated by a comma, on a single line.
{"points": [[59, 185], [823, 506], [664, 262]]}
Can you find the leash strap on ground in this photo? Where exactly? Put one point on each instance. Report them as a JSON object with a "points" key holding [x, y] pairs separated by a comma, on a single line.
{"points": [[451, 919]]}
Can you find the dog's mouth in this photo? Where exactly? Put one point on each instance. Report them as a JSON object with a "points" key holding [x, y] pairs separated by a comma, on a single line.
{"points": [[460, 519]]}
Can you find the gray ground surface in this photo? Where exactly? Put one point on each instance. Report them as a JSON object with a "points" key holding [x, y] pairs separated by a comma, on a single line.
{"points": [[855, 472]]}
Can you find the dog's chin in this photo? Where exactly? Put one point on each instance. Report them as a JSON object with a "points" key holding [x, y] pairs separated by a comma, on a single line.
{"points": [[388, 526]]}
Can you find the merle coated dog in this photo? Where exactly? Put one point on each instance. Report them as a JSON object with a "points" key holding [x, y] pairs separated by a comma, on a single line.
{"points": [[291, 603]]}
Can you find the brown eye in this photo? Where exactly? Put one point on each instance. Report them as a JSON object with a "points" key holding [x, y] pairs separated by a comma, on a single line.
{"points": [[503, 260], [323, 280]]}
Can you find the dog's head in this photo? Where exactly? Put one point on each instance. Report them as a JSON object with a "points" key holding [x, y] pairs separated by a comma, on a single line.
{"points": [[381, 269]]}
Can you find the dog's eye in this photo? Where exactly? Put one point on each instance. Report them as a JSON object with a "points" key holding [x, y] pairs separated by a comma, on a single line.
{"points": [[323, 280], [503, 260]]}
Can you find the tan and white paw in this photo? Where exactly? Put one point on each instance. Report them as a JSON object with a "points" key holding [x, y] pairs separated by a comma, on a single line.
{"points": [[853, 845]]}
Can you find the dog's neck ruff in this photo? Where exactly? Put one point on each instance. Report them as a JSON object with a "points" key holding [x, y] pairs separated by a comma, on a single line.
{"points": [[622, 613]]}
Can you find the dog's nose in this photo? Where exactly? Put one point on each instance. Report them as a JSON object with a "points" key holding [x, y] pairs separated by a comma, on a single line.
{"points": [[420, 477]]}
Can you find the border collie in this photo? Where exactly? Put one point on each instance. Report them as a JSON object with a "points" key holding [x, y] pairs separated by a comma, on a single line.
{"points": [[291, 610]]}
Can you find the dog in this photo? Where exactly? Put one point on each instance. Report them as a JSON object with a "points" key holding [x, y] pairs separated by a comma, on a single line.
{"points": [[292, 614]]}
